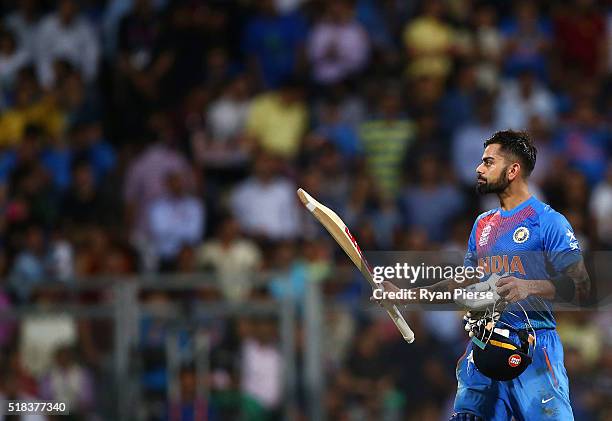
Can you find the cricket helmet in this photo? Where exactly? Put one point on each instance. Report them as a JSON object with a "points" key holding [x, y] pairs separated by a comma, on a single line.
{"points": [[499, 358]]}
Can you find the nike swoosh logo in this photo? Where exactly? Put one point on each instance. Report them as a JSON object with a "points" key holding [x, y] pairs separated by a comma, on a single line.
{"points": [[547, 400]]}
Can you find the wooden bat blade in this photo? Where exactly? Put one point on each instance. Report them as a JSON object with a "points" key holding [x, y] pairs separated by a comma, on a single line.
{"points": [[340, 232]]}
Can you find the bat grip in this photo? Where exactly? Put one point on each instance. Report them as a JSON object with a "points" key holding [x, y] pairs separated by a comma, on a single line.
{"points": [[399, 321]]}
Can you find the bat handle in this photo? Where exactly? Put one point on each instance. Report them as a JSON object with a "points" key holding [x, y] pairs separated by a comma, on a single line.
{"points": [[401, 324]]}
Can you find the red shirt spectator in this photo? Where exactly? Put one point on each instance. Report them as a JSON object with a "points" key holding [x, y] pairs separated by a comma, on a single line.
{"points": [[580, 35]]}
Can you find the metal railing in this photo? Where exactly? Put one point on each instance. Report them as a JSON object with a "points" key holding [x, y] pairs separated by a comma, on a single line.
{"points": [[126, 309]]}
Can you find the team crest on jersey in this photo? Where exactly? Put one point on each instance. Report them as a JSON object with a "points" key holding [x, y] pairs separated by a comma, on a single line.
{"points": [[521, 234], [484, 237]]}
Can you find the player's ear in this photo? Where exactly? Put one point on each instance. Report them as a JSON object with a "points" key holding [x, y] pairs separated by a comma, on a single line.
{"points": [[514, 171]]}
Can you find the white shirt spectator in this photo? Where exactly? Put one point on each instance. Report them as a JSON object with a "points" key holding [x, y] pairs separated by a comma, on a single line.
{"points": [[261, 370], [174, 223], [287, 6], [226, 118], [337, 50], [25, 31], [514, 110], [40, 337], [490, 45], [114, 11], [10, 66], [76, 42], [601, 208], [234, 265], [268, 209], [145, 180]]}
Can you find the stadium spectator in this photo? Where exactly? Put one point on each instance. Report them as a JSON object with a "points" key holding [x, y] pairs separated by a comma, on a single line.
{"points": [[60, 259], [577, 332], [602, 381], [338, 46], [29, 267], [366, 376], [24, 23], [291, 274], [227, 115], [224, 145], [428, 40], [548, 159], [265, 204], [584, 142], [273, 44], [84, 204], [601, 209], [527, 37], [386, 137], [488, 45], [195, 29], [8, 327], [29, 106], [352, 107], [23, 378], [339, 131], [143, 61], [468, 139], [522, 99], [261, 365], [78, 105], [69, 382], [233, 258], [580, 34], [68, 35], [11, 389], [41, 334], [175, 220], [189, 405], [12, 59], [459, 103], [146, 173], [277, 120], [432, 201]]}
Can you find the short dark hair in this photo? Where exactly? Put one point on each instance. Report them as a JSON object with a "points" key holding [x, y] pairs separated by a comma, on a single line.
{"points": [[519, 145]]}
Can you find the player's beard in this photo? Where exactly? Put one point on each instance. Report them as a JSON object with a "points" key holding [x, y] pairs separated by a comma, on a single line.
{"points": [[495, 186]]}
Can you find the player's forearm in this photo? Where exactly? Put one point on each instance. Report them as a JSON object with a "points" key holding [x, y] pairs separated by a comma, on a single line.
{"points": [[542, 288], [577, 277]]}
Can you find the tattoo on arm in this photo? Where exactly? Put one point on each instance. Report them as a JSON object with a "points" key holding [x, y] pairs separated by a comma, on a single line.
{"points": [[582, 283]]}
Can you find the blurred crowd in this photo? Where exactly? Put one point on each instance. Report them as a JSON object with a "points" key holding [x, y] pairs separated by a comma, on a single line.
{"points": [[160, 136]]}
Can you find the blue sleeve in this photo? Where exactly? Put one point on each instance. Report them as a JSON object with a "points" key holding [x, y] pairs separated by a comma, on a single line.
{"points": [[471, 259], [559, 241]]}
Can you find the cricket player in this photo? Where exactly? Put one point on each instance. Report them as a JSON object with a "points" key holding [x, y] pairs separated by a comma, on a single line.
{"points": [[535, 249]]}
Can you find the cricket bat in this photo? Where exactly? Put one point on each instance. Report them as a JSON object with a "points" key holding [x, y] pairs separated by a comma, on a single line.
{"points": [[340, 232]]}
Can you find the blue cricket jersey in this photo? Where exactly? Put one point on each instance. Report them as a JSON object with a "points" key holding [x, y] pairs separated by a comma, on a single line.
{"points": [[531, 241]]}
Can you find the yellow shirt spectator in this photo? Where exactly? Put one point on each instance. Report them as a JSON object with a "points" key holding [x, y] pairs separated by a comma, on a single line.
{"points": [[43, 113], [429, 41], [278, 121]]}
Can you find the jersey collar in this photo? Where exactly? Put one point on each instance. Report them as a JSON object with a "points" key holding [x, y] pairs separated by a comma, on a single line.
{"points": [[513, 211]]}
